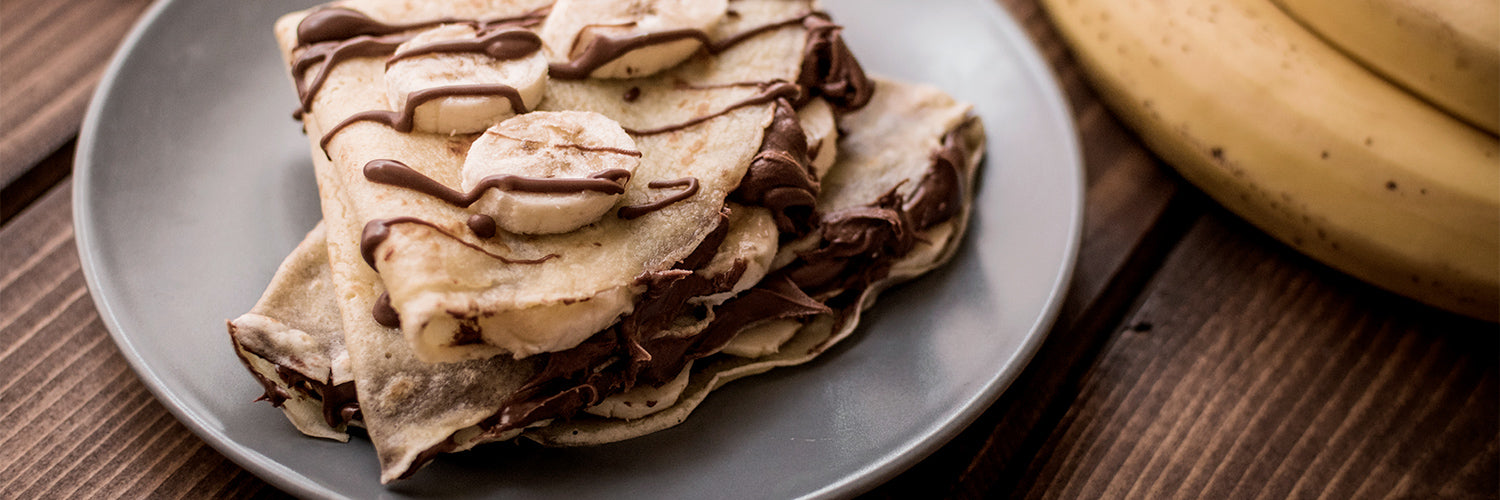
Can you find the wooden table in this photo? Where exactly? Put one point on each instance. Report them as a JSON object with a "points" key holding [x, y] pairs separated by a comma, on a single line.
{"points": [[1194, 356]]}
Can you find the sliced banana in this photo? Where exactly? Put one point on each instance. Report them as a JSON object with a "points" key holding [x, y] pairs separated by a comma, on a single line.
{"points": [[550, 171], [822, 135], [762, 339], [642, 400], [628, 39], [480, 108], [753, 239]]}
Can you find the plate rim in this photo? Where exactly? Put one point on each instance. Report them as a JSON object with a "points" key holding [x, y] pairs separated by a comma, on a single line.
{"points": [[889, 465]]}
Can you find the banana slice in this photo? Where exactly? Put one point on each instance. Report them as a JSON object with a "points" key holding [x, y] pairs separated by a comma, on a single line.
{"points": [[627, 39], [550, 172], [822, 135], [762, 339], [753, 239], [505, 76]]}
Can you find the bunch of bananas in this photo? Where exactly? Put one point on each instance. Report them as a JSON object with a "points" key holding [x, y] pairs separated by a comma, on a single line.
{"points": [[1360, 132]]}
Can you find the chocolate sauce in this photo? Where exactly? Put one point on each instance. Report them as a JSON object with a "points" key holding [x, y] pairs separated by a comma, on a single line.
{"points": [[604, 49], [939, 195], [334, 35], [384, 314], [772, 91], [376, 232], [501, 45], [779, 177], [341, 23], [330, 55], [482, 225], [395, 173], [339, 403], [829, 69], [632, 211], [403, 121]]}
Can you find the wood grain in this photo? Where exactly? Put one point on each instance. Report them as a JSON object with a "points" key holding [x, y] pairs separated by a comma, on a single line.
{"points": [[1135, 209], [1249, 371], [75, 421], [52, 54]]}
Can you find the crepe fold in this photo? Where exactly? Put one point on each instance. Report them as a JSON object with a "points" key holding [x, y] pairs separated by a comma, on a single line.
{"points": [[767, 264]]}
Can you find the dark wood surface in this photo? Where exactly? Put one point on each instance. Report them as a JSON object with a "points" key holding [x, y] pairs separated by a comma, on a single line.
{"points": [[1194, 356]]}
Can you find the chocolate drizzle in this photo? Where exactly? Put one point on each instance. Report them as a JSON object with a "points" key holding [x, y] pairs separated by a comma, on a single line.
{"points": [[601, 50], [939, 195], [482, 225], [499, 44], [403, 121], [632, 211], [779, 178], [378, 230], [771, 91], [383, 313], [829, 69], [395, 173], [336, 34], [328, 55], [342, 23]]}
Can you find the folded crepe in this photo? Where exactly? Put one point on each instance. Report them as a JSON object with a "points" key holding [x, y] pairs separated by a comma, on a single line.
{"points": [[459, 296], [894, 205]]}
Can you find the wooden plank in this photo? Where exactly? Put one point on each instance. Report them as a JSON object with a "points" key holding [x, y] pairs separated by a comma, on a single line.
{"points": [[1135, 210], [75, 421], [52, 54], [1249, 371]]}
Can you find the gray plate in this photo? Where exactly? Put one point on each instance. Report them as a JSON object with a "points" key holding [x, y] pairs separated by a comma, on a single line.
{"points": [[192, 182]]}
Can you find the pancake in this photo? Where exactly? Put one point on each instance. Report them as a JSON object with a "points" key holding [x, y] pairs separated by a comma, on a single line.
{"points": [[894, 157], [744, 234]]}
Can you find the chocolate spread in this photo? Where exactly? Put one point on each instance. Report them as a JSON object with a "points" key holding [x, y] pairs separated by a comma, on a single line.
{"points": [[779, 177]]}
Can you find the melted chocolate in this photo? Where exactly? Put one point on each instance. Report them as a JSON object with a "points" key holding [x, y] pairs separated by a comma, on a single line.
{"points": [[779, 177], [632, 211], [384, 314], [395, 173], [330, 55], [501, 45], [376, 232], [482, 225], [341, 23], [829, 69], [771, 92], [939, 195], [334, 35], [604, 49], [403, 121], [339, 403]]}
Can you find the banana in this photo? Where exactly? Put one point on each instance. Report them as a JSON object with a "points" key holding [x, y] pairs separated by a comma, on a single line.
{"points": [[762, 339], [822, 135], [550, 172], [753, 239], [1447, 51], [574, 26], [1304, 143], [415, 67]]}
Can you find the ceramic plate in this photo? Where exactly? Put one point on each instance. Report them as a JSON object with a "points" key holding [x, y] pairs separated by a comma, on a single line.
{"points": [[192, 182]]}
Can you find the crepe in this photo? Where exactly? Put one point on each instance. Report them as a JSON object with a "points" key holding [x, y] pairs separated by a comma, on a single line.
{"points": [[901, 187], [445, 285]]}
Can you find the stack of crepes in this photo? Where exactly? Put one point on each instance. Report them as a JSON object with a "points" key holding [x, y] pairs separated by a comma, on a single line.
{"points": [[569, 222]]}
